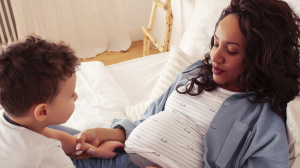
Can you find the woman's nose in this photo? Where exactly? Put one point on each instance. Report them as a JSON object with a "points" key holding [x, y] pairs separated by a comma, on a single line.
{"points": [[217, 56], [75, 96]]}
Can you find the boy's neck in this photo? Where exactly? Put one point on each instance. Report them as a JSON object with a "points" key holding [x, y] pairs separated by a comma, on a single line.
{"points": [[28, 122]]}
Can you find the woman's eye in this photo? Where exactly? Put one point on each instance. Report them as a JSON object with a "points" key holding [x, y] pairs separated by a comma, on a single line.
{"points": [[216, 45], [230, 52]]}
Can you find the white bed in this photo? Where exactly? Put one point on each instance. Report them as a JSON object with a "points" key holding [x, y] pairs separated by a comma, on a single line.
{"points": [[105, 91], [125, 89]]}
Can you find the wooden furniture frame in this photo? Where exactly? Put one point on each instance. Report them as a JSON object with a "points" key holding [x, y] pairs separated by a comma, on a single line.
{"points": [[148, 36], [8, 30]]}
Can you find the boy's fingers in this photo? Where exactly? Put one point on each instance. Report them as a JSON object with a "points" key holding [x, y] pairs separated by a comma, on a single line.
{"points": [[74, 155]]}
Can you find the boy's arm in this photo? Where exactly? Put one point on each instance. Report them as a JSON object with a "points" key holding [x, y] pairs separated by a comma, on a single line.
{"points": [[68, 141]]}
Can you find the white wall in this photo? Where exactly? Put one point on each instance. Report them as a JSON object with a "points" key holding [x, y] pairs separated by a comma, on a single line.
{"points": [[182, 14], [137, 14]]}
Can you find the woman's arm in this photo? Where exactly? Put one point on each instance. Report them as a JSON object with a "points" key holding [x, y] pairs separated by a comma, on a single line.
{"points": [[97, 136]]}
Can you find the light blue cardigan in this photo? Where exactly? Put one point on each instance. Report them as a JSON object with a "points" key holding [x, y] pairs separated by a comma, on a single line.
{"points": [[242, 134]]}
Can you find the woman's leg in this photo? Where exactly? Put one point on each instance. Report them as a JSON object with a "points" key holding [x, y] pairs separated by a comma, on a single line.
{"points": [[122, 160]]}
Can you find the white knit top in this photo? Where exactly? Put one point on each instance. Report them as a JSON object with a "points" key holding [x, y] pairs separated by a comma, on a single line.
{"points": [[174, 137]]}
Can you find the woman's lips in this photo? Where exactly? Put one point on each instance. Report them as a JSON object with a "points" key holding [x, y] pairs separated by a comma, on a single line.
{"points": [[217, 71]]}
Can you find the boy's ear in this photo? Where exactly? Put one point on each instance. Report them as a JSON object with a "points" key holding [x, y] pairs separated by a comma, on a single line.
{"points": [[40, 113]]}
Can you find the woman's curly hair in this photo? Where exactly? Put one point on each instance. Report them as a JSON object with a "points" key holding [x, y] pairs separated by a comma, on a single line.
{"points": [[30, 72], [272, 31]]}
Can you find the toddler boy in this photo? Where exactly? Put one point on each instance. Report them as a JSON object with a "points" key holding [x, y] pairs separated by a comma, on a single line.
{"points": [[37, 90]]}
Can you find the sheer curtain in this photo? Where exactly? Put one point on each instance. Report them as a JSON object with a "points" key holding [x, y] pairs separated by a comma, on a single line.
{"points": [[89, 26]]}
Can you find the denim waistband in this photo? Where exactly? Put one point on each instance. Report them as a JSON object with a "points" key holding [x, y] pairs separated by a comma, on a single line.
{"points": [[141, 161]]}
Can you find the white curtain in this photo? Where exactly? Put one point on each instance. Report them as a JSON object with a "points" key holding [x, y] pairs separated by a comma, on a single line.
{"points": [[89, 26]]}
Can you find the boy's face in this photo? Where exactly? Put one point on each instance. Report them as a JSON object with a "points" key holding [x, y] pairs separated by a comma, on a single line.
{"points": [[62, 107]]}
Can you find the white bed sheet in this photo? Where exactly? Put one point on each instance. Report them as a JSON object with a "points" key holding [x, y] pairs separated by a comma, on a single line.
{"points": [[105, 91]]}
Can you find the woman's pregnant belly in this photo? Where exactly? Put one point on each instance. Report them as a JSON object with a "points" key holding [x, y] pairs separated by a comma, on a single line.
{"points": [[169, 139]]}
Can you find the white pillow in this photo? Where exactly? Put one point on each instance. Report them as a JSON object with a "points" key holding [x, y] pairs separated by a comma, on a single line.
{"points": [[293, 114], [293, 129], [100, 98], [196, 39], [295, 5], [177, 61]]}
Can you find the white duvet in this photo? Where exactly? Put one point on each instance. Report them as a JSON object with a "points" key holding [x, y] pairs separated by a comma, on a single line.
{"points": [[100, 99]]}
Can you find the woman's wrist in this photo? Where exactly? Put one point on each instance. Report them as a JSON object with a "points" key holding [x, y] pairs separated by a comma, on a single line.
{"points": [[122, 134], [109, 134]]}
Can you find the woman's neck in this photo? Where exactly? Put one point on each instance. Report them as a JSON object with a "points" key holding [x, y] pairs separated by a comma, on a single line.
{"points": [[232, 88]]}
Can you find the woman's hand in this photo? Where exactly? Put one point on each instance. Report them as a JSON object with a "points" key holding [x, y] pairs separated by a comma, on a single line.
{"points": [[106, 150], [91, 136]]}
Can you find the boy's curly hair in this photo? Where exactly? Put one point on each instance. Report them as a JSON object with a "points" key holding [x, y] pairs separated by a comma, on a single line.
{"points": [[30, 73]]}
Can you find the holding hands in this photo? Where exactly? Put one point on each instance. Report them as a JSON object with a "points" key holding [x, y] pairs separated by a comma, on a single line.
{"points": [[104, 145]]}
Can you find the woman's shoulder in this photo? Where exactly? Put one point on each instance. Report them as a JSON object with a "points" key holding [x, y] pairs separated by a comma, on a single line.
{"points": [[193, 66]]}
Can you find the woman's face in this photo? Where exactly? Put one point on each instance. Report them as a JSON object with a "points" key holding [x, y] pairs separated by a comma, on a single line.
{"points": [[228, 53]]}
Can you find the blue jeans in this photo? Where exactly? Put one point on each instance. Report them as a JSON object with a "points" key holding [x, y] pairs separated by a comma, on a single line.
{"points": [[122, 160]]}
